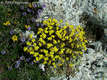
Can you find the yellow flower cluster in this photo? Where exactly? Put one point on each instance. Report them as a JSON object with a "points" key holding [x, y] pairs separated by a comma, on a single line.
{"points": [[55, 45]]}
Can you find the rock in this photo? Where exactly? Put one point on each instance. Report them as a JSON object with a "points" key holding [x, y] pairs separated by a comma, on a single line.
{"points": [[90, 50], [105, 31], [42, 66], [91, 46], [99, 74], [98, 45], [105, 59], [71, 10], [99, 33]]}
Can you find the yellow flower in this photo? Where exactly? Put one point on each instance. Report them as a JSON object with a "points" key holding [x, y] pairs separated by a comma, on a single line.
{"points": [[85, 41], [43, 42], [51, 52], [70, 51], [85, 48], [49, 19], [14, 38], [51, 56], [52, 23], [61, 21], [43, 35], [74, 57], [49, 45], [45, 62], [70, 40], [34, 61], [50, 27], [49, 62], [46, 58], [53, 59], [27, 26], [34, 44], [54, 41], [49, 38], [6, 23], [57, 28], [33, 40], [72, 44], [58, 41], [28, 43], [55, 49], [63, 39], [37, 58], [40, 30], [57, 56], [35, 54], [71, 65], [25, 49], [47, 55], [67, 58], [59, 64], [51, 32], [62, 60], [45, 51], [53, 36], [36, 47], [77, 46], [61, 52], [45, 22], [67, 23], [59, 35], [31, 35], [41, 56], [41, 50], [28, 51], [40, 44], [81, 53], [53, 63], [71, 26], [54, 20], [67, 37], [67, 50], [46, 28], [54, 66], [57, 24], [40, 39], [64, 27], [62, 45], [46, 31], [64, 33], [30, 48], [30, 5], [32, 52], [63, 49]]}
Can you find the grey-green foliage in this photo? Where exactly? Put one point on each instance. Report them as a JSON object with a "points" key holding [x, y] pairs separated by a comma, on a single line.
{"points": [[3, 10], [28, 72]]}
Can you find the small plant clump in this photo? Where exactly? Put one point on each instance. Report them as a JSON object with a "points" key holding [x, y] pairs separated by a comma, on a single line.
{"points": [[55, 45]]}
